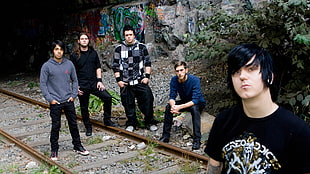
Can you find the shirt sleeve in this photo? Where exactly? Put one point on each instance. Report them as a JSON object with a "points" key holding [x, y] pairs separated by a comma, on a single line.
{"points": [[147, 59], [74, 82], [196, 91], [173, 89], [98, 64], [213, 147], [117, 59], [43, 83], [302, 147]]}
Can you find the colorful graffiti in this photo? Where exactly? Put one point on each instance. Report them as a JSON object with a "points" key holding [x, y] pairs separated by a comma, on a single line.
{"points": [[108, 23], [133, 16]]}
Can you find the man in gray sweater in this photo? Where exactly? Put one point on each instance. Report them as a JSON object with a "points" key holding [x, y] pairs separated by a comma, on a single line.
{"points": [[59, 86]]}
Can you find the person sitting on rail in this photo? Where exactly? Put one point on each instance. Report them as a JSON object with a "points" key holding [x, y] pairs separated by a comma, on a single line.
{"points": [[188, 88], [59, 86]]}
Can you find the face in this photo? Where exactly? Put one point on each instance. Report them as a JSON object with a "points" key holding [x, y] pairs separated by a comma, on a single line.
{"points": [[83, 41], [58, 52], [129, 36], [181, 71], [247, 81]]}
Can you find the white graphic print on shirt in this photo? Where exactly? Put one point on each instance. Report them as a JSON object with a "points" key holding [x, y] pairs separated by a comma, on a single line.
{"points": [[247, 155]]}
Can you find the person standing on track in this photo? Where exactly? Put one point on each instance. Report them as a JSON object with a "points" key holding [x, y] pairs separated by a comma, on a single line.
{"points": [[88, 69], [132, 69], [59, 86]]}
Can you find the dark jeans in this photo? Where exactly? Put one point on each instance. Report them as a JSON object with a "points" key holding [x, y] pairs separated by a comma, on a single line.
{"points": [[84, 101], [55, 113], [143, 94], [195, 111]]}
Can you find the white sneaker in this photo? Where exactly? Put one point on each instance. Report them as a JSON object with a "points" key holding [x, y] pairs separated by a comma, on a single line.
{"points": [[81, 150], [129, 129], [54, 156], [153, 128]]}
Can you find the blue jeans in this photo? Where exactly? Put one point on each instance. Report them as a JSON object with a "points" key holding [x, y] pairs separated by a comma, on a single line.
{"points": [[55, 113]]}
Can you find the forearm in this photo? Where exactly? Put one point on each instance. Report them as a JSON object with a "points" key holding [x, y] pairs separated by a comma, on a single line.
{"points": [[214, 167], [98, 73], [148, 70], [172, 102], [187, 105], [117, 74]]}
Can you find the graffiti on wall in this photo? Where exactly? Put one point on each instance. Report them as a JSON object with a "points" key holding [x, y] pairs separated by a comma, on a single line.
{"points": [[107, 24], [133, 16]]}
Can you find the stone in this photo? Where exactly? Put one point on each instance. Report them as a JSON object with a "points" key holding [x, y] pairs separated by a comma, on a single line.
{"points": [[206, 124], [141, 146]]}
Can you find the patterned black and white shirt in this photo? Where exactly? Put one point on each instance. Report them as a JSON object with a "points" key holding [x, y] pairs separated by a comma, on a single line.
{"points": [[130, 61]]}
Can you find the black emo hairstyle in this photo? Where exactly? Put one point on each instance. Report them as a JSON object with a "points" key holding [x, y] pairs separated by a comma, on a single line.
{"points": [[240, 55], [58, 42], [127, 28]]}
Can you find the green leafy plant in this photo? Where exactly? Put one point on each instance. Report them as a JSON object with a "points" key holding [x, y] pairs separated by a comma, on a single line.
{"points": [[31, 85], [54, 170], [96, 105], [94, 140]]}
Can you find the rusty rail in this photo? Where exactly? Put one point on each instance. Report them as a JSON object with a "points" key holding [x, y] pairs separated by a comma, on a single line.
{"points": [[34, 153], [164, 146]]}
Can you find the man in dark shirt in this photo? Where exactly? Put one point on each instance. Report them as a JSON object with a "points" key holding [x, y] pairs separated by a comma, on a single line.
{"points": [[256, 135], [188, 88], [88, 68]]}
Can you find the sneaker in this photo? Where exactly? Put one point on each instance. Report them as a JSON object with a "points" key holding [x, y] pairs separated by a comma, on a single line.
{"points": [[88, 132], [129, 128], [109, 123], [196, 145], [54, 155], [153, 128], [164, 139], [81, 150]]}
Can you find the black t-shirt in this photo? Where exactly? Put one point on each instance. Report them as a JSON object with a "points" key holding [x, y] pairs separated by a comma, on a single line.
{"points": [[86, 66], [278, 143]]}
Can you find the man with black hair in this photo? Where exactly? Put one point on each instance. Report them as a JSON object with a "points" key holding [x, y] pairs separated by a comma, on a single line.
{"points": [[256, 135], [132, 70], [59, 86]]}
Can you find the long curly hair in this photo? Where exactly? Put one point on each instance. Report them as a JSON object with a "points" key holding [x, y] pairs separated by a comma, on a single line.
{"points": [[76, 47]]}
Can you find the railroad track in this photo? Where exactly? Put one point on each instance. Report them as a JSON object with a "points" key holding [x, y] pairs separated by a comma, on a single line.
{"points": [[112, 149]]}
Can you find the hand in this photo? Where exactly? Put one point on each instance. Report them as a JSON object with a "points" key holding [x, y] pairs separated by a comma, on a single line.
{"points": [[71, 99], [53, 102], [100, 86], [145, 80], [175, 109], [80, 92], [121, 84]]}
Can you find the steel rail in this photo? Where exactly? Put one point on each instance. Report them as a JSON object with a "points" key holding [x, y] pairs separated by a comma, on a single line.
{"points": [[34, 153], [164, 146]]}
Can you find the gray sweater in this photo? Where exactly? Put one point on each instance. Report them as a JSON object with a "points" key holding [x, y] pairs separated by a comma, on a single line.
{"points": [[58, 81]]}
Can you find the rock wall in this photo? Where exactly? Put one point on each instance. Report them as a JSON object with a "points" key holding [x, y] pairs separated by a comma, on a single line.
{"points": [[162, 25]]}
